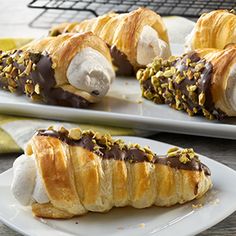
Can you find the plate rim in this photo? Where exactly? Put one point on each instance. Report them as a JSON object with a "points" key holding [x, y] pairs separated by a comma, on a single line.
{"points": [[205, 128]]}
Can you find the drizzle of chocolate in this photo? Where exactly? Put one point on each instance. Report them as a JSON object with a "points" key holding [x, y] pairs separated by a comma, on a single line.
{"points": [[132, 155], [43, 75], [120, 60]]}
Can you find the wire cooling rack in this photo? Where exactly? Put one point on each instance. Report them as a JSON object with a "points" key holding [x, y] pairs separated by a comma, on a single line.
{"points": [[57, 11]]}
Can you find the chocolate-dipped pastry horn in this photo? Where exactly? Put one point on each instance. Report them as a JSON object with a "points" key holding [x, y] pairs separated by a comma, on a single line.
{"points": [[67, 173], [134, 38], [199, 82], [215, 29], [70, 70]]}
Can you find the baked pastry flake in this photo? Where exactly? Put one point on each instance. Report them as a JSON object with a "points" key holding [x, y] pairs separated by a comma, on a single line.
{"points": [[215, 29]]}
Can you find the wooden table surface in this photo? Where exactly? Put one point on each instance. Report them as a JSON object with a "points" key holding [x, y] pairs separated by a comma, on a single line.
{"points": [[14, 19]]}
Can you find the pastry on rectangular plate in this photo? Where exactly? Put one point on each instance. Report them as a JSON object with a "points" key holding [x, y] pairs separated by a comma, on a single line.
{"points": [[201, 82], [134, 38], [66, 173], [70, 70]]}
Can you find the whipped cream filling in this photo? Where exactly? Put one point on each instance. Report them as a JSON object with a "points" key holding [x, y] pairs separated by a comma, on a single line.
{"points": [[27, 185], [90, 71], [189, 41], [150, 45], [231, 89]]}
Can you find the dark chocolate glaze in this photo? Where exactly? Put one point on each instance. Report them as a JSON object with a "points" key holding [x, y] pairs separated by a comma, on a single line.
{"points": [[203, 85], [204, 82], [43, 75], [132, 155], [147, 85], [120, 60]]}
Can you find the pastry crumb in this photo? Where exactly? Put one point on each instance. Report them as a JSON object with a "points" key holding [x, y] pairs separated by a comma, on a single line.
{"points": [[139, 101], [142, 225], [195, 206], [215, 202]]}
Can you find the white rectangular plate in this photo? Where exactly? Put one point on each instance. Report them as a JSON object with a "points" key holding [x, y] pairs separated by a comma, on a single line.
{"points": [[124, 107], [178, 220]]}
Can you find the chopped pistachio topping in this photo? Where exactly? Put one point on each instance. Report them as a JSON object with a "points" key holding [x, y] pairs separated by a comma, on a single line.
{"points": [[184, 159], [15, 65], [202, 98], [75, 133], [185, 155], [173, 149], [178, 83]]}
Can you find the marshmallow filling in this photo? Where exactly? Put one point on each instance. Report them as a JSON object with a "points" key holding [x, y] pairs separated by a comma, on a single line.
{"points": [[150, 45], [27, 185], [90, 71]]}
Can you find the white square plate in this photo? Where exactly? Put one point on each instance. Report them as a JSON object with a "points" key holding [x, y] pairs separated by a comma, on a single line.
{"points": [[178, 220]]}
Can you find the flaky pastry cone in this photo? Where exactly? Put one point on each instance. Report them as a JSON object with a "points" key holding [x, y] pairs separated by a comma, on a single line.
{"points": [[68, 173], [200, 82], [134, 38], [215, 29], [71, 70]]}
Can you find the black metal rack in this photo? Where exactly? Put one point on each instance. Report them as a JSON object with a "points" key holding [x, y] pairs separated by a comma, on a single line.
{"points": [[90, 8]]}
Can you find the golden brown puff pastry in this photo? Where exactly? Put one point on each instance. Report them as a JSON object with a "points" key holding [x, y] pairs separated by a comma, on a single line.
{"points": [[87, 171], [71, 69], [215, 29], [134, 38], [200, 82]]}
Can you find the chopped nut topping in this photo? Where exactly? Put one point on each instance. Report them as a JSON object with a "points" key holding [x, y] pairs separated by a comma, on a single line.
{"points": [[169, 73], [179, 79], [139, 74], [188, 61], [173, 149], [172, 154], [199, 67], [190, 74], [176, 82], [155, 81], [28, 68], [159, 74], [37, 89], [29, 89], [63, 130], [192, 88], [11, 89], [8, 68], [148, 95], [202, 98], [75, 133], [184, 159]]}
